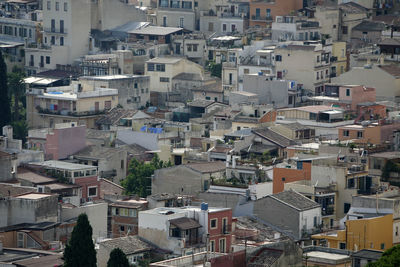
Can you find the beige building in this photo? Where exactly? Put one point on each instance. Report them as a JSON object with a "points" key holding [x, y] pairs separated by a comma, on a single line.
{"points": [[162, 69], [74, 103], [307, 64], [339, 59]]}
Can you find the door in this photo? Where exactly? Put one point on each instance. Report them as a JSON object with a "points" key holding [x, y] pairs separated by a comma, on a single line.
{"points": [[96, 106]]}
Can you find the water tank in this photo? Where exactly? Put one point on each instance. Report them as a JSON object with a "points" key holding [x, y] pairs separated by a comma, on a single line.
{"points": [[260, 73], [204, 206]]}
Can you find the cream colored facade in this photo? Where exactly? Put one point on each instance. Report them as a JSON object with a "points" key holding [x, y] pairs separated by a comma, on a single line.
{"points": [[339, 64], [162, 70], [68, 104]]}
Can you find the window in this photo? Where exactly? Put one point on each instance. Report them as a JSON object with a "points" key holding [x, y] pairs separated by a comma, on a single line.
{"points": [[122, 228], [233, 27], [346, 133], [258, 12], [164, 79], [48, 5], [278, 58], [210, 26], [53, 40], [347, 92], [246, 71], [65, 6], [61, 41], [124, 212], [350, 183], [62, 26], [222, 243], [47, 60], [57, 6], [268, 12], [53, 25], [189, 48], [213, 223], [397, 231], [212, 246], [160, 67], [342, 245], [195, 47], [150, 66], [181, 22], [346, 207], [383, 246], [92, 191], [224, 27], [317, 58], [20, 240], [359, 134], [344, 29], [165, 21], [283, 179], [315, 221], [317, 75], [132, 213]]}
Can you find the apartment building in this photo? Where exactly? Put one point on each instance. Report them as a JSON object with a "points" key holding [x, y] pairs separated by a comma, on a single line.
{"points": [[73, 103], [66, 30], [305, 62], [180, 14], [161, 70], [292, 28], [368, 133], [263, 12]]}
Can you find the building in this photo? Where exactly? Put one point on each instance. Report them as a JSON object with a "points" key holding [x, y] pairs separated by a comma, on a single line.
{"points": [[162, 70], [292, 28], [373, 133], [306, 63], [322, 256], [73, 103], [366, 33], [291, 212], [118, 62], [188, 230], [338, 59], [124, 217], [133, 90], [364, 256], [263, 12], [317, 113], [134, 248], [161, 35], [83, 175], [288, 173], [58, 143], [368, 233]]}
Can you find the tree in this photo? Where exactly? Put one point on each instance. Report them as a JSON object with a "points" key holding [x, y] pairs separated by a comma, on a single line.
{"points": [[5, 113], [117, 259], [16, 86], [390, 258], [80, 251], [138, 180]]}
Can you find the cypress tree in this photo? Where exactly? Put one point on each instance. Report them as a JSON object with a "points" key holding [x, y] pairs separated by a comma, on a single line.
{"points": [[117, 259], [80, 251], [5, 112]]}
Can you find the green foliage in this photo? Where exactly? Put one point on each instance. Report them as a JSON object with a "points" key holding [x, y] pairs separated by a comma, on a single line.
{"points": [[117, 259], [390, 258], [138, 180], [215, 69], [16, 86], [5, 113], [20, 130], [390, 167], [80, 251]]}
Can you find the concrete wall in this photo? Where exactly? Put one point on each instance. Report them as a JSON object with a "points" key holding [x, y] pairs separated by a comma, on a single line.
{"points": [[19, 210], [64, 142], [97, 215]]}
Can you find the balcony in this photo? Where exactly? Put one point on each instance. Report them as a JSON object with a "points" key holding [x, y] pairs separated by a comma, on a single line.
{"points": [[38, 46], [226, 229], [41, 64], [54, 30], [69, 113], [327, 211], [261, 18]]}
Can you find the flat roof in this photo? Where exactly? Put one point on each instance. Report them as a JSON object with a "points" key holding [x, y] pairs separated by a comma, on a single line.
{"points": [[326, 255], [57, 164], [156, 30], [33, 196], [165, 60]]}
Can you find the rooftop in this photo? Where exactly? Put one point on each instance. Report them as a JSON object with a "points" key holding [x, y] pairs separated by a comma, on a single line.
{"points": [[128, 244], [34, 196], [185, 223], [274, 137], [295, 200], [156, 30], [386, 155], [165, 60], [313, 109], [44, 261], [33, 177], [207, 167], [368, 254], [393, 70], [370, 26], [57, 164]]}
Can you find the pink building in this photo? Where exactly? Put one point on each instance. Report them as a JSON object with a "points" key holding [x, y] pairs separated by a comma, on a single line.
{"points": [[352, 95], [64, 140]]}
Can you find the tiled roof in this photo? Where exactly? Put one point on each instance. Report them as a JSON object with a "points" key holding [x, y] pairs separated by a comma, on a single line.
{"points": [[273, 137], [13, 190], [185, 223], [114, 116], [369, 26], [295, 200], [393, 70], [351, 7], [368, 254], [265, 257], [33, 177], [128, 244], [43, 261]]}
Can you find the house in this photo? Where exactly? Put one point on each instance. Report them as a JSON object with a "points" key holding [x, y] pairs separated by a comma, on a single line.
{"points": [[8, 166], [162, 35], [29, 207], [375, 232], [162, 70], [118, 62], [80, 174], [322, 256], [190, 178], [315, 112], [338, 59], [267, 136], [188, 229], [366, 33], [373, 133], [111, 162], [385, 78], [293, 213], [58, 143], [134, 248], [365, 256], [124, 216], [192, 45], [73, 103], [306, 63], [287, 173], [293, 28], [177, 14], [262, 13]]}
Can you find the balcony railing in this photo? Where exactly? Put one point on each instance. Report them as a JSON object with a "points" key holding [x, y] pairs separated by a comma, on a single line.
{"points": [[226, 229], [327, 211], [70, 113], [261, 18], [54, 30]]}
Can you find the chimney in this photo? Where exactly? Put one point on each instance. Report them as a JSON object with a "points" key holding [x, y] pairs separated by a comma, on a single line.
{"points": [[8, 132]]}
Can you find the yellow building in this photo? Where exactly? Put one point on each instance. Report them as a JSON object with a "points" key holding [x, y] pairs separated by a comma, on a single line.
{"points": [[371, 233], [339, 59]]}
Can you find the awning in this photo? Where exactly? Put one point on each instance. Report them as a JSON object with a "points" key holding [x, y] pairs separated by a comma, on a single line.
{"points": [[39, 80], [185, 223]]}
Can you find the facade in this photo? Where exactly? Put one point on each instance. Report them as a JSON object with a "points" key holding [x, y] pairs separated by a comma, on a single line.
{"points": [[133, 90], [308, 65], [124, 217], [74, 103], [293, 213], [187, 230], [338, 59], [368, 134], [263, 12], [180, 14], [289, 173], [291, 28], [161, 70], [119, 62]]}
